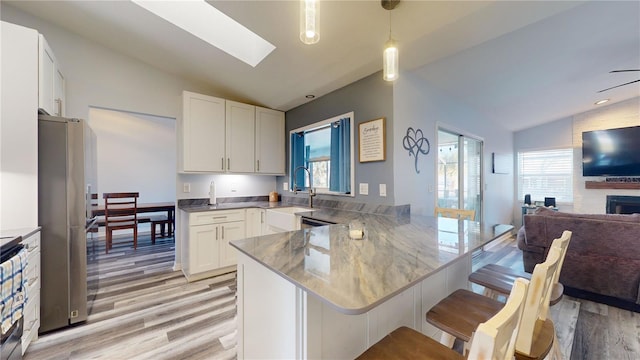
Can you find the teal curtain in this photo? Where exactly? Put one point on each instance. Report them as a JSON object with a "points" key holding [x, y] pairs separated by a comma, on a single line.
{"points": [[340, 173], [298, 158]]}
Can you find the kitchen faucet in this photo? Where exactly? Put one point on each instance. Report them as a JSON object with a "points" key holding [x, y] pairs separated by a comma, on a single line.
{"points": [[312, 193]]}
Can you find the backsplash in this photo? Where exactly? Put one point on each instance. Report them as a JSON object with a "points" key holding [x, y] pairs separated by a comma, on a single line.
{"points": [[222, 200], [390, 210]]}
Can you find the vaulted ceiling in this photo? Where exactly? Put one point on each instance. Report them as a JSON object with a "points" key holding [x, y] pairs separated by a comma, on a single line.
{"points": [[521, 63]]}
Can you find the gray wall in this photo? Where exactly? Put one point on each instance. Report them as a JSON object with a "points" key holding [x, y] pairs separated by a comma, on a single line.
{"points": [[419, 105], [369, 98]]}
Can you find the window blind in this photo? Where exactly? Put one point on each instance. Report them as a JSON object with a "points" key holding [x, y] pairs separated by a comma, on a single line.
{"points": [[546, 173]]}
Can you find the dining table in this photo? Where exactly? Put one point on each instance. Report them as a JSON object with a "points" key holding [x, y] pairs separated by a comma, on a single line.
{"points": [[169, 207]]}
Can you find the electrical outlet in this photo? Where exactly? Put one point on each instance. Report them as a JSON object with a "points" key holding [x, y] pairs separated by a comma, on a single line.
{"points": [[383, 190], [364, 189], [285, 186], [186, 187]]}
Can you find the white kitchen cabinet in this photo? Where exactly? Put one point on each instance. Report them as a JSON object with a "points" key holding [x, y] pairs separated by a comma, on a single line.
{"points": [[240, 124], [270, 141], [218, 135], [206, 252], [202, 133], [32, 307], [228, 232], [51, 82], [203, 248], [255, 222]]}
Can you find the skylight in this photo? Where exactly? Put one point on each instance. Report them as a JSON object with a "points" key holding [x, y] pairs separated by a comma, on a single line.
{"points": [[211, 25]]}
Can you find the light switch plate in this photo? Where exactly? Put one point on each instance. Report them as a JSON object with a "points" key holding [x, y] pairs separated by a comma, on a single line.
{"points": [[186, 187], [364, 189], [383, 190], [285, 186]]}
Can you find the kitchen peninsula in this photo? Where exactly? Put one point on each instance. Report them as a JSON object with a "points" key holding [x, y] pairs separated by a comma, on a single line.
{"points": [[316, 293]]}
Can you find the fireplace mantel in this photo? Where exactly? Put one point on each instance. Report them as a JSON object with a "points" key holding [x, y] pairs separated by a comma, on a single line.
{"points": [[612, 185]]}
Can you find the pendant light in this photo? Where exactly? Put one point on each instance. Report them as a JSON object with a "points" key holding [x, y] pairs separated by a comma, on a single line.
{"points": [[310, 21], [390, 53]]}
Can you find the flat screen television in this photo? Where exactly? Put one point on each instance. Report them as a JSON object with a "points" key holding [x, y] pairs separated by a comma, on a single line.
{"points": [[613, 152]]}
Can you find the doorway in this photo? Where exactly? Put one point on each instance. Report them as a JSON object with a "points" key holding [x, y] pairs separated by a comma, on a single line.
{"points": [[460, 172]]}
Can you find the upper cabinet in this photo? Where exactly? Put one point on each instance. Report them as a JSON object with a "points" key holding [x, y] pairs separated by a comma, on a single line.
{"points": [[218, 135], [270, 148], [202, 133], [240, 137], [51, 82]]}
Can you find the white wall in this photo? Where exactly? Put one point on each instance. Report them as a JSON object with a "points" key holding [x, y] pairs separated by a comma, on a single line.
{"points": [[136, 153], [419, 105]]}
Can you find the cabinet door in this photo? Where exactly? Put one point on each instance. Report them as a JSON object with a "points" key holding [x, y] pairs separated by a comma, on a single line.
{"points": [[59, 98], [270, 141], [240, 137], [202, 133], [46, 76], [203, 248], [229, 232], [255, 218]]}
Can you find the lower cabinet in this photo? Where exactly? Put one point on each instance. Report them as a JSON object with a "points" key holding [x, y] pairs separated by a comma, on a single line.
{"points": [[255, 222], [207, 251], [31, 312]]}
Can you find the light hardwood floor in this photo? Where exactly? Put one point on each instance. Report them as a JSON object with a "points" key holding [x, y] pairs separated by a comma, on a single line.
{"points": [[142, 309]]}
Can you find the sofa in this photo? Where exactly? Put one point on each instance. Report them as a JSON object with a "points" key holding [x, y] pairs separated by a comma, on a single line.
{"points": [[603, 259]]}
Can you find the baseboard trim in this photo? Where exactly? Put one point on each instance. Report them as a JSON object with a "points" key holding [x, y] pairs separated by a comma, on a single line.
{"points": [[604, 299]]}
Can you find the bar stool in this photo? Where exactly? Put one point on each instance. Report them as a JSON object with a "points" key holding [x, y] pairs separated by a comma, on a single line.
{"points": [[497, 279], [458, 314], [158, 220], [493, 339]]}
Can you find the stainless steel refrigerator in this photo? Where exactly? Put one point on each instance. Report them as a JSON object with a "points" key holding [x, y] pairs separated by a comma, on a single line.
{"points": [[66, 175]]}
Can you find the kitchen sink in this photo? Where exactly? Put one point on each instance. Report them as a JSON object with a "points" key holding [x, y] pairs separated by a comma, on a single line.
{"points": [[291, 210], [284, 218]]}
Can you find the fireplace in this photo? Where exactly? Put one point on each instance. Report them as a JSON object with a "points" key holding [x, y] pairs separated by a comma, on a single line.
{"points": [[617, 204]]}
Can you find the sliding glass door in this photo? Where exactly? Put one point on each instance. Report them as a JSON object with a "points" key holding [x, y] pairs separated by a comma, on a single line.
{"points": [[459, 172]]}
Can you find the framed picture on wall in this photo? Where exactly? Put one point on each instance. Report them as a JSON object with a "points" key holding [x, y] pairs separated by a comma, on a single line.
{"points": [[371, 135]]}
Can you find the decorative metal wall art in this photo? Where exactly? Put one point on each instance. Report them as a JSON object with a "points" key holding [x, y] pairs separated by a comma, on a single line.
{"points": [[415, 142]]}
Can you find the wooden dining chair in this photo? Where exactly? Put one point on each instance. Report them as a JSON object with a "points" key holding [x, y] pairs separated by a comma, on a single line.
{"points": [[493, 339], [458, 314], [455, 213], [120, 212], [497, 280]]}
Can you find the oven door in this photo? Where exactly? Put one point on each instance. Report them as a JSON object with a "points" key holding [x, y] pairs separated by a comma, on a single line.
{"points": [[11, 348]]}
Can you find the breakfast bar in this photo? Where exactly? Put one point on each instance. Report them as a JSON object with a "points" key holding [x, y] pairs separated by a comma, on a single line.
{"points": [[317, 293]]}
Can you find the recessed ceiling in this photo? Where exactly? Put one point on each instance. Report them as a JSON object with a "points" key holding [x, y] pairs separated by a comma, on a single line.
{"points": [[521, 63]]}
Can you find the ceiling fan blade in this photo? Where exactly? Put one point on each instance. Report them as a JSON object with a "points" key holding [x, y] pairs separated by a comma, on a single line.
{"points": [[617, 71], [613, 87]]}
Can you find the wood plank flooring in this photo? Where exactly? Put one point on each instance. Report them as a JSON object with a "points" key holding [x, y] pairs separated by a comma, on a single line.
{"points": [[141, 309]]}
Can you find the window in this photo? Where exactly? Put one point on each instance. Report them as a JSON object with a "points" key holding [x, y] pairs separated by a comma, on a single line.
{"points": [[325, 149], [546, 173]]}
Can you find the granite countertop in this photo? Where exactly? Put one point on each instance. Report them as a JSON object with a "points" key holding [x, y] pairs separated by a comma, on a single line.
{"points": [[233, 205], [354, 276], [9, 235], [329, 215]]}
